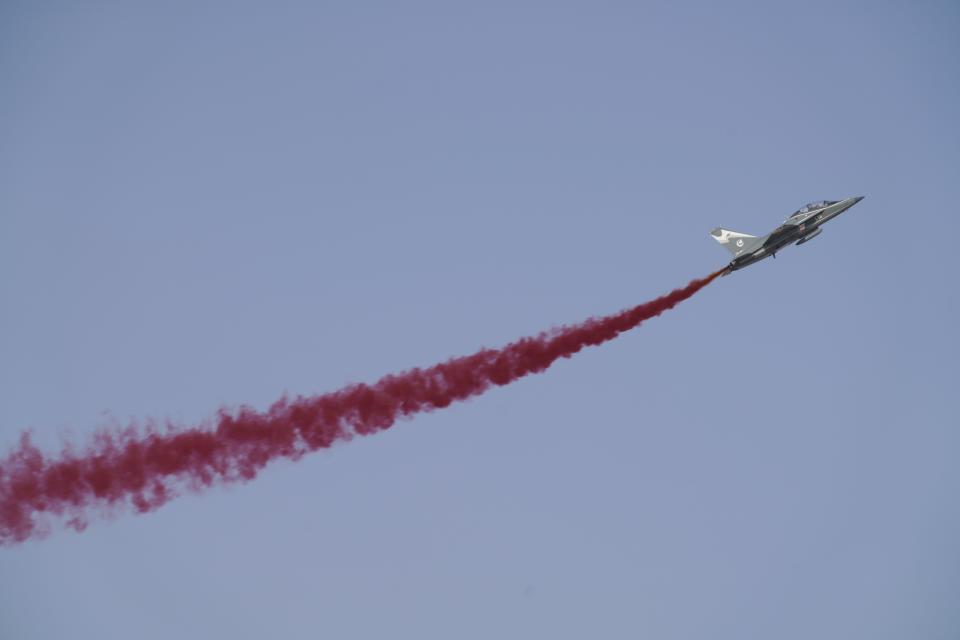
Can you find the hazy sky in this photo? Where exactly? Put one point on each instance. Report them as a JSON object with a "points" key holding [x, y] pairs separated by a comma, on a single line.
{"points": [[215, 203]]}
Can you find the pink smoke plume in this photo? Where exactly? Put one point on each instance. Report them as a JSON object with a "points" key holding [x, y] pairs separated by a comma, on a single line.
{"points": [[146, 468]]}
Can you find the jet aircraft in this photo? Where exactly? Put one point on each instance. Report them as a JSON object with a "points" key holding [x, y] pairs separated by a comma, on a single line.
{"points": [[802, 225]]}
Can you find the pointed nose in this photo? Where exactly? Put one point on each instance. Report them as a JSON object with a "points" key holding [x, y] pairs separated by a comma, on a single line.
{"points": [[849, 202]]}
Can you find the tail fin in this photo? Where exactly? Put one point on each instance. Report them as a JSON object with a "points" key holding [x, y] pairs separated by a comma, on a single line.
{"points": [[735, 242]]}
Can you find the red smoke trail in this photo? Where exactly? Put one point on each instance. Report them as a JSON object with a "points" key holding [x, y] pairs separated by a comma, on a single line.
{"points": [[145, 469]]}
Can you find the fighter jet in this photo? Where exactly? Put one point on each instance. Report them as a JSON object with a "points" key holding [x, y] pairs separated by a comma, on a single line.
{"points": [[802, 225]]}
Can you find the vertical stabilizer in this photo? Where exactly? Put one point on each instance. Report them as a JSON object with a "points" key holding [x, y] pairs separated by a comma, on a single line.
{"points": [[735, 242]]}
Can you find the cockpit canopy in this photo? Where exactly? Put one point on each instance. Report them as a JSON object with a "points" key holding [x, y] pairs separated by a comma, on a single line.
{"points": [[813, 206]]}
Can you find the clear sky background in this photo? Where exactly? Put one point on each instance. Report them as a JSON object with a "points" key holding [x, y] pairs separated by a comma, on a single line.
{"points": [[216, 203]]}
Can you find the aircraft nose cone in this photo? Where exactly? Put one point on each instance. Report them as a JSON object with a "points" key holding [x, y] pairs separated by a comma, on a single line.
{"points": [[857, 199]]}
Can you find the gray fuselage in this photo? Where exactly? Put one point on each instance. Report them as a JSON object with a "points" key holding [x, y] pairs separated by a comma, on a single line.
{"points": [[798, 228]]}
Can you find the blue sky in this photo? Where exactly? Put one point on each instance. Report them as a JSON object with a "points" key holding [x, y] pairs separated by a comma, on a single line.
{"points": [[216, 203]]}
